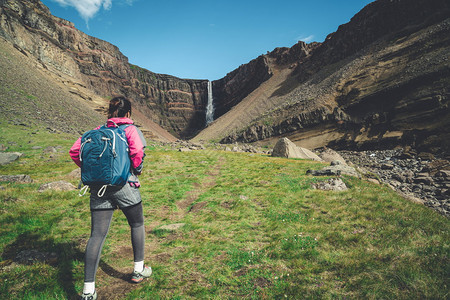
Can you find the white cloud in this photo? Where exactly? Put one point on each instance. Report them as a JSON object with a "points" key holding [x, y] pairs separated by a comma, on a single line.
{"points": [[88, 8], [306, 39]]}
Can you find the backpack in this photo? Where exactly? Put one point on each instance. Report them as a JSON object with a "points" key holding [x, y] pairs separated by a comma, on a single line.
{"points": [[104, 157]]}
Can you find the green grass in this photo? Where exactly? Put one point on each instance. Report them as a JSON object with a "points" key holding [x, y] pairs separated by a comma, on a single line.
{"points": [[255, 229]]}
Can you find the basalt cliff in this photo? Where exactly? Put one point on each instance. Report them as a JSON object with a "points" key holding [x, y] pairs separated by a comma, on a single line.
{"points": [[379, 81], [94, 69]]}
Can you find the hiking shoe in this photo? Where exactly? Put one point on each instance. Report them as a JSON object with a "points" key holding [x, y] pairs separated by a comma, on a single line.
{"points": [[137, 277], [89, 296]]}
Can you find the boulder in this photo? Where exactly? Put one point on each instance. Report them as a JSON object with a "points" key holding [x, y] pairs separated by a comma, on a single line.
{"points": [[324, 172], [285, 148], [443, 173], [335, 169], [50, 149], [333, 184], [75, 174], [426, 156], [387, 166], [16, 178], [9, 157], [330, 155], [344, 169], [57, 186], [424, 179]]}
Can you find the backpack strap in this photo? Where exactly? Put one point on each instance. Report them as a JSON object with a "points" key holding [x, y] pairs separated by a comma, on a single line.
{"points": [[115, 124], [123, 126]]}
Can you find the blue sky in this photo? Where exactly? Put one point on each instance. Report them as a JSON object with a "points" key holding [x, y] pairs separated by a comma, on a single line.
{"points": [[200, 39]]}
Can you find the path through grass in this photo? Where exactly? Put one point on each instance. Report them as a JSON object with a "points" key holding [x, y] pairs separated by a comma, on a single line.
{"points": [[254, 229]]}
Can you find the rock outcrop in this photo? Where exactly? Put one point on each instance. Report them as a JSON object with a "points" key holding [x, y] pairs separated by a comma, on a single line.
{"points": [[335, 168], [332, 184], [291, 56]]}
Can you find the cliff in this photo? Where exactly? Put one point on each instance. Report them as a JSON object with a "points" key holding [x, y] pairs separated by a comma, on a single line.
{"points": [[379, 81], [235, 86], [175, 104]]}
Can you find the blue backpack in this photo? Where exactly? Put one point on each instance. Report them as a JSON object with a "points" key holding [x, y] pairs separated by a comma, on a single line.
{"points": [[104, 157]]}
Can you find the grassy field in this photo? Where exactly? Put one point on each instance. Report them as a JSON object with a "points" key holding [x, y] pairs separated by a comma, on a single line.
{"points": [[253, 229]]}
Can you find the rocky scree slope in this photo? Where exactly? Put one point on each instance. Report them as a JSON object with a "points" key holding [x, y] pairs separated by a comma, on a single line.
{"points": [[419, 177], [30, 97]]}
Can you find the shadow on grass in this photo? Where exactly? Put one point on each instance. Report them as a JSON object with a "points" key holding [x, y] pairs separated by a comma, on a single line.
{"points": [[31, 248], [113, 272]]}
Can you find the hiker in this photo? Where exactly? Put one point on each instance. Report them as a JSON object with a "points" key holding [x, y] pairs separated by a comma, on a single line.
{"points": [[126, 197]]}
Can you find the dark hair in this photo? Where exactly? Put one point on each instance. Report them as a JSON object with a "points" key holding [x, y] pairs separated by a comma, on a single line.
{"points": [[119, 107]]}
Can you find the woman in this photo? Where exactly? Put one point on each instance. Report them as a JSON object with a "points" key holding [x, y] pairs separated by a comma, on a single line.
{"points": [[127, 198]]}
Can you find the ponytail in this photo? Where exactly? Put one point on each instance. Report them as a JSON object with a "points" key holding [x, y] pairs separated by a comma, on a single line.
{"points": [[119, 107]]}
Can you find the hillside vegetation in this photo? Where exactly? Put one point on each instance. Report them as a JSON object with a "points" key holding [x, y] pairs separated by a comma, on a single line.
{"points": [[219, 225], [254, 232]]}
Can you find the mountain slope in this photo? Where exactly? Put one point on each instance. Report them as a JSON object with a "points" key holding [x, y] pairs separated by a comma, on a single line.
{"points": [[177, 105], [258, 101], [29, 96], [379, 81]]}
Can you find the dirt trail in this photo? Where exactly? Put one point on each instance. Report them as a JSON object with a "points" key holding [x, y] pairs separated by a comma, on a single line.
{"points": [[199, 188], [252, 106], [116, 281]]}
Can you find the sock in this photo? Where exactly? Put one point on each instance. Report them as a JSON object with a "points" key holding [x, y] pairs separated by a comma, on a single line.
{"points": [[89, 288], [139, 266]]}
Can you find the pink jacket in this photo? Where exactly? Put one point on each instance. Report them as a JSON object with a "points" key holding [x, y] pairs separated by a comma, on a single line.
{"points": [[135, 143]]}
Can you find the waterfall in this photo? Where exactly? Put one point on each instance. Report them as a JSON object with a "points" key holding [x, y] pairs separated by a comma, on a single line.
{"points": [[210, 106]]}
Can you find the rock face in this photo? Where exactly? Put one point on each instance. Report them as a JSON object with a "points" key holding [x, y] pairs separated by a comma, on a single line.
{"points": [[285, 148], [238, 84], [379, 81], [234, 87], [178, 105]]}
